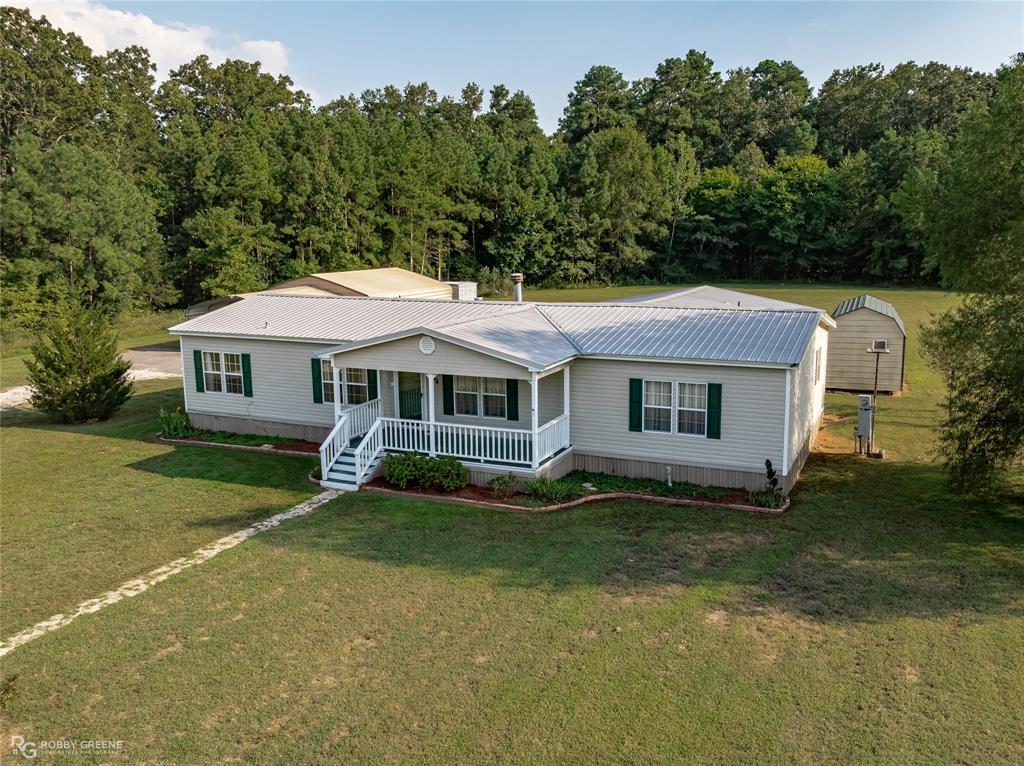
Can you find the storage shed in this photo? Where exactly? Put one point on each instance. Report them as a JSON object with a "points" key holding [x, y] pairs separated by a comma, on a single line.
{"points": [[860, 322]]}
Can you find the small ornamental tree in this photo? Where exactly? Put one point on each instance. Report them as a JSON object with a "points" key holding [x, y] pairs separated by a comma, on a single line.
{"points": [[75, 370]]}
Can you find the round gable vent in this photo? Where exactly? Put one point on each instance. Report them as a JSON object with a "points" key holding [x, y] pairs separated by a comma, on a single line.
{"points": [[427, 345]]}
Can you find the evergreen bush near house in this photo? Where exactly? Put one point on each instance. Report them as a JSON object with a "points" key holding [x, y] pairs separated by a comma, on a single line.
{"points": [[174, 425], [402, 469], [75, 369], [445, 473], [442, 473]]}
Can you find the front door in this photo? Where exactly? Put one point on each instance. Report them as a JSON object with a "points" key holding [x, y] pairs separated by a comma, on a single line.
{"points": [[410, 396]]}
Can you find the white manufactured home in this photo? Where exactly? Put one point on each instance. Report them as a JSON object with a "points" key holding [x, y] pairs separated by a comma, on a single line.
{"points": [[696, 393]]}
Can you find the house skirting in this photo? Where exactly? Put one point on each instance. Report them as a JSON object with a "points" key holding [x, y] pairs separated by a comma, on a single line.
{"points": [[238, 425], [554, 468]]}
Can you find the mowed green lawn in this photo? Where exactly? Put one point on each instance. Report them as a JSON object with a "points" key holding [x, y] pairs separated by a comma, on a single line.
{"points": [[881, 620]]}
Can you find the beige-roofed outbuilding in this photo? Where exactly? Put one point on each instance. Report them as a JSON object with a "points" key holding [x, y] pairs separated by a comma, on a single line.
{"points": [[390, 282], [369, 283]]}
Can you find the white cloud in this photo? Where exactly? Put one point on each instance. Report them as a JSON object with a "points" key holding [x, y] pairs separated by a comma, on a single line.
{"points": [[169, 45]]}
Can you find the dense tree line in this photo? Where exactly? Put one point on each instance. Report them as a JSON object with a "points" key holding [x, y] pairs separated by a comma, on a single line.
{"points": [[225, 178]]}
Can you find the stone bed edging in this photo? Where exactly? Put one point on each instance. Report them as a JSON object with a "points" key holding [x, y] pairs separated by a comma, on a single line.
{"points": [[245, 447], [583, 501]]}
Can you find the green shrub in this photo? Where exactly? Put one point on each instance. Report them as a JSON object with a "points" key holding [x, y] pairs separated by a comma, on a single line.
{"points": [[174, 425], [502, 487], [445, 473], [75, 370], [316, 471], [549, 490], [402, 469], [771, 496]]}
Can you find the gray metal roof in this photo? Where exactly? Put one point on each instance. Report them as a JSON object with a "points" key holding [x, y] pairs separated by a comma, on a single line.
{"points": [[706, 296], [525, 333], [331, 319], [726, 335], [537, 335], [869, 302]]}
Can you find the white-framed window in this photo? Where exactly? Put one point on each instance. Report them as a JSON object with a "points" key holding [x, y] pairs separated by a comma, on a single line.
{"points": [[494, 397], [327, 380], [817, 365], [222, 373], [692, 408], [467, 395], [675, 407], [485, 397], [658, 406], [357, 386]]}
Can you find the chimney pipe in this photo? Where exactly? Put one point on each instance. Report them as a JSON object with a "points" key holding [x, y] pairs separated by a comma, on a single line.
{"points": [[517, 287]]}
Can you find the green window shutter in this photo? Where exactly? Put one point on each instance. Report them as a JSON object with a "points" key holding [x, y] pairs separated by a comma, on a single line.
{"points": [[318, 382], [197, 360], [511, 399], [714, 411], [246, 375], [448, 394], [371, 384], [636, 404]]}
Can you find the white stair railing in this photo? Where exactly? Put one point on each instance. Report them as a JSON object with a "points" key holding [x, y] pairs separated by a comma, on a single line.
{"points": [[367, 451], [335, 442], [362, 416]]}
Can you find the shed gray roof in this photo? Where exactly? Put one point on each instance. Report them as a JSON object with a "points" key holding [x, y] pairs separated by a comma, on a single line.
{"points": [[537, 335], [869, 302]]}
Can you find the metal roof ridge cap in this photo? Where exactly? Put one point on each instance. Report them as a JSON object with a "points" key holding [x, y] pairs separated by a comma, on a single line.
{"points": [[558, 328]]}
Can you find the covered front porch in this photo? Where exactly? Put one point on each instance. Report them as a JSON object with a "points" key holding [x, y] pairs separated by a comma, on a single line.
{"points": [[479, 419]]}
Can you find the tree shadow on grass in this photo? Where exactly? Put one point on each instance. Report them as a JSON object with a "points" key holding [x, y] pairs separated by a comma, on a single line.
{"points": [[136, 422], [865, 542]]}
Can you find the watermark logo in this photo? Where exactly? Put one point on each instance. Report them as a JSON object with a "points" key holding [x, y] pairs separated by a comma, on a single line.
{"points": [[28, 749], [23, 747]]}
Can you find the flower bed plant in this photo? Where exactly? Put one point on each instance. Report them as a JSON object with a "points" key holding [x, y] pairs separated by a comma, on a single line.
{"points": [[444, 473]]}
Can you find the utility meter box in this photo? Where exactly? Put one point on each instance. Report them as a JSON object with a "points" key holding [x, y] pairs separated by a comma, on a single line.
{"points": [[865, 422]]}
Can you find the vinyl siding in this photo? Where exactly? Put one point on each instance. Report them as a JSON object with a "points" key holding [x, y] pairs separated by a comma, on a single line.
{"points": [[447, 359], [753, 414], [807, 401], [282, 385], [850, 366]]}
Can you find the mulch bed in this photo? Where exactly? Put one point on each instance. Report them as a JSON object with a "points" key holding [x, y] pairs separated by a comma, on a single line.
{"points": [[481, 496]]}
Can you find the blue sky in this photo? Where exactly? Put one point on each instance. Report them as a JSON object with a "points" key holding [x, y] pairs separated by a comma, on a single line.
{"points": [[543, 48]]}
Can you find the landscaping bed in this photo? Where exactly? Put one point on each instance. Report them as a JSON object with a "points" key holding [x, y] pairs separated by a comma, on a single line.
{"points": [[277, 443], [576, 488]]}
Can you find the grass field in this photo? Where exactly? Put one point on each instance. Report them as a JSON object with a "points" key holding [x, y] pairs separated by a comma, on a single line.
{"points": [[881, 620], [134, 332]]}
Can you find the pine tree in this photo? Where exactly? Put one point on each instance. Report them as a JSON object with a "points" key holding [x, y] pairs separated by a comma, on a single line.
{"points": [[75, 370]]}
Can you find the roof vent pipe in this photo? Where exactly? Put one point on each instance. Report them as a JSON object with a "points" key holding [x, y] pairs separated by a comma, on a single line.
{"points": [[517, 287]]}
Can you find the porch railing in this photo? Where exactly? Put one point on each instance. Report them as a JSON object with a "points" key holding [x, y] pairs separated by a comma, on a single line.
{"points": [[552, 437], [368, 449], [484, 443], [335, 442], [362, 416]]}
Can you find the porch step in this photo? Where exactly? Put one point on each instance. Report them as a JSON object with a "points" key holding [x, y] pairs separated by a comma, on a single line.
{"points": [[343, 472]]}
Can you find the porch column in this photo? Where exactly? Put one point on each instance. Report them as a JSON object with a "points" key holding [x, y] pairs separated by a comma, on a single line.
{"points": [[337, 391], [394, 390], [430, 411], [534, 411], [565, 397]]}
